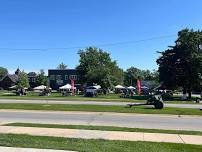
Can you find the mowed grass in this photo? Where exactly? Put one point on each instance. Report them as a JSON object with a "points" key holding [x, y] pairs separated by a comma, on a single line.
{"points": [[108, 97], [58, 96], [101, 108], [105, 128], [84, 145]]}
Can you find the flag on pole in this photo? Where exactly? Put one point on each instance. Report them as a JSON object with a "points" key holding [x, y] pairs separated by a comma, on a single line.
{"points": [[73, 90], [139, 86]]}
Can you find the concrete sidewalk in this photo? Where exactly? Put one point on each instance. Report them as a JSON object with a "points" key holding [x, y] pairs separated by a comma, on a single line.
{"points": [[12, 149], [107, 135]]}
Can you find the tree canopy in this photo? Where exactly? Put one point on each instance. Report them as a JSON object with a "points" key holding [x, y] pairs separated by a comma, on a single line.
{"points": [[23, 81], [132, 74], [62, 66], [181, 65], [3, 72], [41, 78], [96, 66]]}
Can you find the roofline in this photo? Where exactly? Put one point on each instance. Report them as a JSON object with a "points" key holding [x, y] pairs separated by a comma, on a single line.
{"points": [[8, 75]]}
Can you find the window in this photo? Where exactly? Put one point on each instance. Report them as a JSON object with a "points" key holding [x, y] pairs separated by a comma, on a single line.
{"points": [[66, 77], [33, 79], [73, 77], [59, 82], [52, 77], [58, 77]]}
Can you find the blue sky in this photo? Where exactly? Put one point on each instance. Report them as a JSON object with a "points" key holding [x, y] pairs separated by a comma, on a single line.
{"points": [[52, 24]]}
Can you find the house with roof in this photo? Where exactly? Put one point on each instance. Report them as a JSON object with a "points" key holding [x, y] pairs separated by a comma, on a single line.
{"points": [[9, 80]]}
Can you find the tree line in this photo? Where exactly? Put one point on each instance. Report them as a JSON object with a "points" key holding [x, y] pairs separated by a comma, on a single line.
{"points": [[180, 66], [95, 67]]}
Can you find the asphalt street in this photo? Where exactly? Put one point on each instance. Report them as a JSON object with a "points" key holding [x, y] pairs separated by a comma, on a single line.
{"points": [[104, 119], [195, 106]]}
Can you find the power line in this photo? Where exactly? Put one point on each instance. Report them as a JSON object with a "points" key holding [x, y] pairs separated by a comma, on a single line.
{"points": [[98, 45]]}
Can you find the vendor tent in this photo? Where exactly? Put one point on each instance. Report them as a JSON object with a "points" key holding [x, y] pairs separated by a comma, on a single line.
{"points": [[13, 87], [131, 87], [16, 87], [144, 87], [66, 87], [97, 86], [41, 87], [119, 87]]}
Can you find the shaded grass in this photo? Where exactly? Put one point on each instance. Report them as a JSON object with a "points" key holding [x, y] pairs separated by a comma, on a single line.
{"points": [[101, 108], [84, 145], [105, 128]]}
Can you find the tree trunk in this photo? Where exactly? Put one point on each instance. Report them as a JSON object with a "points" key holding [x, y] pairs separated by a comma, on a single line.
{"points": [[184, 94], [189, 94]]}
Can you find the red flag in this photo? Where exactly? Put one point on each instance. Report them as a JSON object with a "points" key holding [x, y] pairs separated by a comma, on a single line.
{"points": [[72, 82], [139, 86]]}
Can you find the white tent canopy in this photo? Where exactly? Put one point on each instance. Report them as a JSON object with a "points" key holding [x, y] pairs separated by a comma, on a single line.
{"points": [[66, 87], [119, 87], [13, 87], [41, 87], [16, 87], [97, 87], [144, 87], [131, 87]]}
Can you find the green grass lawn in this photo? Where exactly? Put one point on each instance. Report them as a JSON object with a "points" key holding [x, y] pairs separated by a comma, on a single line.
{"points": [[98, 145], [105, 128], [108, 97], [102, 108], [58, 96]]}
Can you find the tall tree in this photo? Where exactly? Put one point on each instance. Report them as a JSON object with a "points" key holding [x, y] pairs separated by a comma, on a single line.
{"points": [[23, 81], [181, 65], [96, 66], [132, 74], [41, 78], [3, 72], [62, 66]]}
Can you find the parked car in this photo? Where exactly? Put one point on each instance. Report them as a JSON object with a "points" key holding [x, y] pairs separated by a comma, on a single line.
{"points": [[91, 91]]}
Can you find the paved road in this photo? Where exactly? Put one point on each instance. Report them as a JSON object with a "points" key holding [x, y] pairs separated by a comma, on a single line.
{"points": [[104, 119], [195, 106]]}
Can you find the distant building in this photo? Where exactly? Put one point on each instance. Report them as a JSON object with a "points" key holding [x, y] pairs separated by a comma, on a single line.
{"points": [[32, 79], [58, 78], [9, 80]]}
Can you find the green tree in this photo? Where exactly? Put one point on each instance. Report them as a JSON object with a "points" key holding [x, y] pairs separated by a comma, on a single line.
{"points": [[23, 81], [132, 74], [3, 72], [62, 66], [41, 78], [181, 65], [96, 66]]}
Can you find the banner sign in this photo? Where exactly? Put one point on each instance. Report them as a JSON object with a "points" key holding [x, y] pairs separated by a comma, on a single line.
{"points": [[139, 86], [73, 90]]}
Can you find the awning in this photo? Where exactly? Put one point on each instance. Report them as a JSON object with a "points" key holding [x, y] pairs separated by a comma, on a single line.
{"points": [[119, 87]]}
